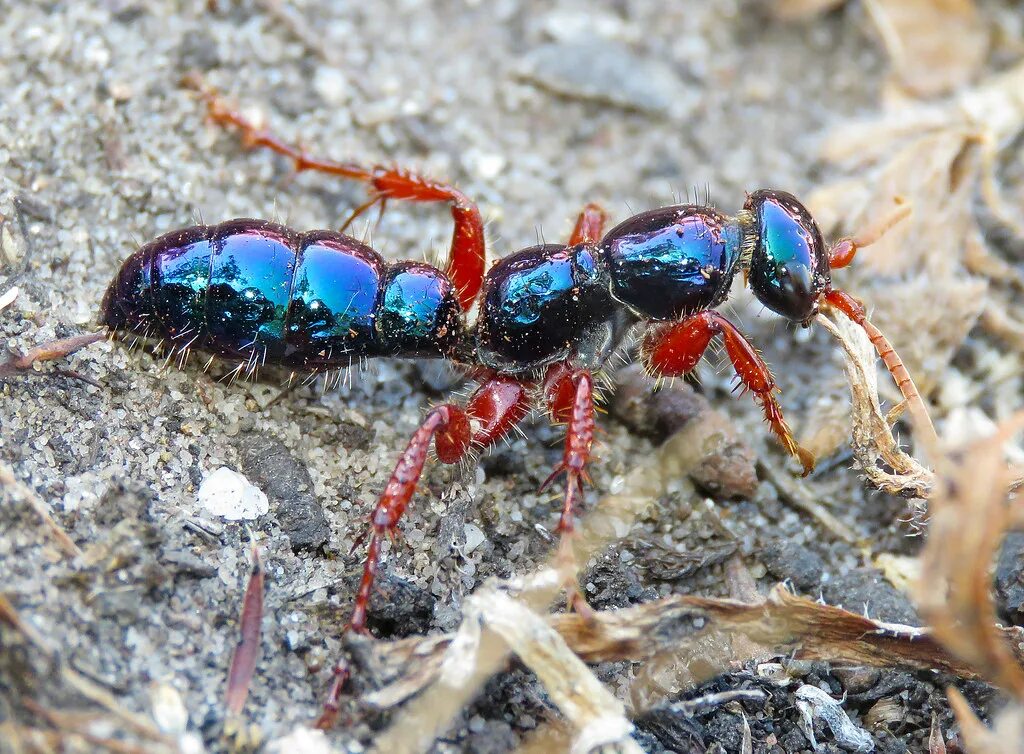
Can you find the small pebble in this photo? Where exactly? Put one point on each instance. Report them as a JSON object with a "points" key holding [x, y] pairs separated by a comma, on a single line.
{"points": [[474, 538], [228, 494]]}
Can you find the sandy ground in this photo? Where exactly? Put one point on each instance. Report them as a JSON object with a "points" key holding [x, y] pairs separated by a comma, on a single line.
{"points": [[534, 108]]}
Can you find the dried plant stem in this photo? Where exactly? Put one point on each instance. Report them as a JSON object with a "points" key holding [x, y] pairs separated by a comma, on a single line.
{"points": [[875, 450], [971, 513], [243, 661], [668, 631], [87, 688], [19, 489]]}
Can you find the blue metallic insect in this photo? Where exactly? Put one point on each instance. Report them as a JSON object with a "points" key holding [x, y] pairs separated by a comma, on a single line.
{"points": [[547, 317]]}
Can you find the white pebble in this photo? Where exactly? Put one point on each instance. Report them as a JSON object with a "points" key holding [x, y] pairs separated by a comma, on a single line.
{"points": [[8, 298], [474, 537], [229, 494]]}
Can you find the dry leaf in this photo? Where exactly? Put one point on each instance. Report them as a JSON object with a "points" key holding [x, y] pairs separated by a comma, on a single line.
{"points": [[971, 513], [689, 639], [598, 718], [875, 450], [1005, 737]]}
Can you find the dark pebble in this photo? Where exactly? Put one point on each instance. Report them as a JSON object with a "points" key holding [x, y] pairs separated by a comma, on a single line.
{"points": [[675, 731], [1010, 579], [613, 584], [787, 560], [398, 607], [288, 486], [857, 680], [727, 467], [866, 590]]}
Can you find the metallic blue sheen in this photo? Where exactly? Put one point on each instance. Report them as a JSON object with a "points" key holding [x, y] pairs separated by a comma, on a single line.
{"points": [[525, 293], [250, 285], [671, 262], [181, 275], [788, 264], [540, 303], [334, 294], [418, 314]]}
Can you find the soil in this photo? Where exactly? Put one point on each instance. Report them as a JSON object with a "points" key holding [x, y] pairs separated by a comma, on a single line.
{"points": [[534, 109]]}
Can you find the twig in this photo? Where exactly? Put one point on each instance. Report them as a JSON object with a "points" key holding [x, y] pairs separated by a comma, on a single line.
{"points": [[243, 661], [495, 622], [611, 520], [8, 480], [668, 630], [90, 690], [875, 450], [65, 725]]}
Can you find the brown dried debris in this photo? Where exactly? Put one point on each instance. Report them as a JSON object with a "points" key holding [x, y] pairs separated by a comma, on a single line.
{"points": [[970, 515], [976, 502], [494, 623], [935, 158], [876, 451], [243, 661], [666, 633]]}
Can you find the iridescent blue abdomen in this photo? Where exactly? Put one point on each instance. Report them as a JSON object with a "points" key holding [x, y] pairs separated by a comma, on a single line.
{"points": [[335, 291], [257, 291], [670, 262]]}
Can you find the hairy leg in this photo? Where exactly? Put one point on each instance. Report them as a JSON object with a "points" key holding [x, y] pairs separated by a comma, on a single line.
{"points": [[569, 394], [496, 407], [673, 350]]}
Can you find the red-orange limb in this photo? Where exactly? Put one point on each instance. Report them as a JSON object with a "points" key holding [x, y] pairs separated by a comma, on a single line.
{"points": [[467, 254], [673, 350], [855, 310], [493, 410], [570, 393], [589, 225], [844, 250]]}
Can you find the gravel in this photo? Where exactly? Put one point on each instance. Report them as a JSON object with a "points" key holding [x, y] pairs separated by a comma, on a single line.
{"points": [[534, 108]]}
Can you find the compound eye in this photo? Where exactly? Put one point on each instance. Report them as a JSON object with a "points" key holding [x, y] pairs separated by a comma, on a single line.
{"points": [[788, 264]]}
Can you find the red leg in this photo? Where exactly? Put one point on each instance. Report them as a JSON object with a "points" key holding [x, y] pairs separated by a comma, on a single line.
{"points": [[492, 411], [673, 350], [589, 226], [467, 256], [840, 255], [569, 395], [844, 250], [854, 309]]}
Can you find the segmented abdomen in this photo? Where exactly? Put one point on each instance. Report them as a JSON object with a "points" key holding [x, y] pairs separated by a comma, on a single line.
{"points": [[258, 291]]}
